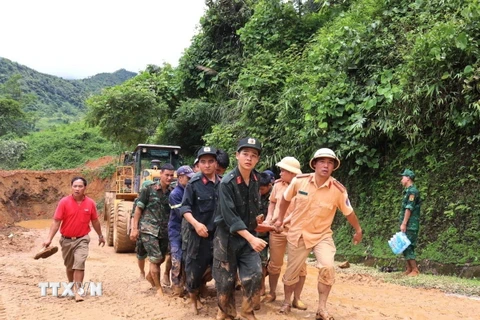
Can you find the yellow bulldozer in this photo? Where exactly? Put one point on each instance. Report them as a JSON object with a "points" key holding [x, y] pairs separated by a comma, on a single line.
{"points": [[135, 167]]}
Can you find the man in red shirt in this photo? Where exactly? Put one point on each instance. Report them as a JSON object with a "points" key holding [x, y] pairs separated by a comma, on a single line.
{"points": [[72, 217]]}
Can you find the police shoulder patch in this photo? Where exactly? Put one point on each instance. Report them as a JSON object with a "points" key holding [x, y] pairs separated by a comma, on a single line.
{"points": [[339, 186], [411, 197]]}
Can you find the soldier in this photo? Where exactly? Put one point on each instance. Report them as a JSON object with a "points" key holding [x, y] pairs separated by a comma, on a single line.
{"points": [[139, 248], [197, 208], [235, 246], [184, 173], [289, 168], [151, 215], [317, 197], [410, 220]]}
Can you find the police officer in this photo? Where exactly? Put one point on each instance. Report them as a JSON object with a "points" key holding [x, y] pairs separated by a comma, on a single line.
{"points": [[150, 223], [410, 219], [235, 245], [198, 205], [317, 197]]}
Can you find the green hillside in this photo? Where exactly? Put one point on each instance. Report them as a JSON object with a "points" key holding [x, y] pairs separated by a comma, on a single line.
{"points": [[57, 100]]}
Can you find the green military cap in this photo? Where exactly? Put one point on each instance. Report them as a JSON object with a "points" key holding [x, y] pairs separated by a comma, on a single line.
{"points": [[249, 143], [408, 173]]}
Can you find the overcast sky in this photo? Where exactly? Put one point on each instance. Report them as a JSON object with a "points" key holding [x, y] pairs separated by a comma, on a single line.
{"points": [[78, 39]]}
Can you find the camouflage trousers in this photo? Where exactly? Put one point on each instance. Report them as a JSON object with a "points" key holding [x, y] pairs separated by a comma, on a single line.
{"points": [[409, 253], [156, 248]]}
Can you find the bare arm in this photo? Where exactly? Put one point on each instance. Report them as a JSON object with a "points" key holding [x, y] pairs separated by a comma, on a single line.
{"points": [[271, 208], [281, 212], [136, 218], [353, 220], [256, 243], [53, 231], [98, 229], [403, 227]]}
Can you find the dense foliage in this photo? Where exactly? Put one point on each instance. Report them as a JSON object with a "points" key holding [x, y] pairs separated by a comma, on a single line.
{"points": [[387, 84], [64, 146]]}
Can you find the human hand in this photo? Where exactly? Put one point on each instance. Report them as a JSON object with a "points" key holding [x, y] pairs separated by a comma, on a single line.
{"points": [[357, 237], [47, 243], [258, 244], [133, 235], [101, 241], [260, 218], [201, 230], [403, 227]]}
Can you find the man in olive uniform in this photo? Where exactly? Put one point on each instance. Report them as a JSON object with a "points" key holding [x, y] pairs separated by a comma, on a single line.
{"points": [[198, 206], [139, 248], [235, 245], [410, 219], [151, 215]]}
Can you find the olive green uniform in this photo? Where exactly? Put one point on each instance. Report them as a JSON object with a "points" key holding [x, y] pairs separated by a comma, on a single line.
{"points": [[411, 200], [154, 222]]}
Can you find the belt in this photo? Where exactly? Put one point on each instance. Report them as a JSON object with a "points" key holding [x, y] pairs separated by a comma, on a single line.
{"points": [[72, 238]]}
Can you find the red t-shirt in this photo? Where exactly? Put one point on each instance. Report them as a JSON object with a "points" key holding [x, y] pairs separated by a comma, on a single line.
{"points": [[75, 217]]}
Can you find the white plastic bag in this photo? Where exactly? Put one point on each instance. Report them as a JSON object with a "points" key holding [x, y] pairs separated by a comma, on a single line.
{"points": [[399, 242]]}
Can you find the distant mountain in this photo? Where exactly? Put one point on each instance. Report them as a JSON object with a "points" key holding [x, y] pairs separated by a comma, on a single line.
{"points": [[59, 100]]}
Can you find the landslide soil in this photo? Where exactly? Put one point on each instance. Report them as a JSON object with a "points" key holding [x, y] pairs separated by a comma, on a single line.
{"points": [[33, 195]]}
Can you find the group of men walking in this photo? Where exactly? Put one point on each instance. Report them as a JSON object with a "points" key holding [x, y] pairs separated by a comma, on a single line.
{"points": [[212, 222], [208, 225]]}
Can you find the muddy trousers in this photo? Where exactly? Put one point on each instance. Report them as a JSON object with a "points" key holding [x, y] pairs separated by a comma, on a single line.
{"points": [[195, 267], [177, 273], [249, 267]]}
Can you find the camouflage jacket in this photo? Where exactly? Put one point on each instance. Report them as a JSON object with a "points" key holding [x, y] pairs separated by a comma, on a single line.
{"points": [[411, 200], [155, 211]]}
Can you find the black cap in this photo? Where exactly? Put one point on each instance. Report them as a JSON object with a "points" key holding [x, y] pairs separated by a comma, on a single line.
{"points": [[207, 150], [249, 143]]}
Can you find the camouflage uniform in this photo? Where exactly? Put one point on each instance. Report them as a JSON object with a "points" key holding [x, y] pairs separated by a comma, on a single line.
{"points": [[154, 222], [264, 203], [411, 200], [238, 207], [199, 199], [139, 248]]}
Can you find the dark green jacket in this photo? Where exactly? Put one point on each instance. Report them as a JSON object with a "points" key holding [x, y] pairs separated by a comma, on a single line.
{"points": [[411, 200], [238, 204]]}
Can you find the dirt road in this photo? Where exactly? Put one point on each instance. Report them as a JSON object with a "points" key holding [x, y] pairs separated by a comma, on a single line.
{"points": [[354, 296]]}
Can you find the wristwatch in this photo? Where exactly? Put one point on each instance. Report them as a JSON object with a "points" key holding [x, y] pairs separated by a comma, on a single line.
{"points": [[100, 236]]}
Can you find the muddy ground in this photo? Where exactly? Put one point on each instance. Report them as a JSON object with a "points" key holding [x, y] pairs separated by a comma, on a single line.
{"points": [[28, 195], [125, 296]]}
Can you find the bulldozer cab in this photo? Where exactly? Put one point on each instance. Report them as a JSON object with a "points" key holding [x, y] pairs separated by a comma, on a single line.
{"points": [[148, 159]]}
